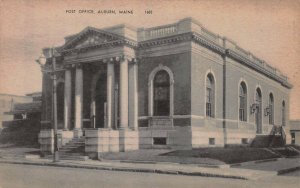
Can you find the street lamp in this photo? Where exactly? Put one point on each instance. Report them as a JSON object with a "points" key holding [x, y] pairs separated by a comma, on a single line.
{"points": [[50, 53]]}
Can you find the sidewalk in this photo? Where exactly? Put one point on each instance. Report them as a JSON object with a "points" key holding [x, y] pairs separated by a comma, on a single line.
{"points": [[164, 168], [281, 165], [151, 161]]}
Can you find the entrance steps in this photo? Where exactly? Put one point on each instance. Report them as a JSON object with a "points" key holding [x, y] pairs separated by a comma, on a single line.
{"points": [[73, 150], [264, 141]]}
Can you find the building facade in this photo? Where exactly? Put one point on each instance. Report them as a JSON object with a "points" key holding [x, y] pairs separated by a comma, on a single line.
{"points": [[172, 86]]}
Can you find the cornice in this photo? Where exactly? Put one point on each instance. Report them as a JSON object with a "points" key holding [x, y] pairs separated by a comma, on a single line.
{"points": [[234, 55], [208, 43], [190, 36]]}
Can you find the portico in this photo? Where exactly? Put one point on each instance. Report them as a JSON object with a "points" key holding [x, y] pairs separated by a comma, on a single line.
{"points": [[113, 87]]}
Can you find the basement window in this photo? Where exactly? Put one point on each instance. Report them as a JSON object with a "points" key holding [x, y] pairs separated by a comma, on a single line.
{"points": [[159, 141], [244, 140], [211, 141]]}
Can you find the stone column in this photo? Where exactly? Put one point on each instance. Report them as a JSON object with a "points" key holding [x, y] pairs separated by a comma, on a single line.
{"points": [[124, 93], [78, 101], [110, 93], [133, 95], [67, 99]]}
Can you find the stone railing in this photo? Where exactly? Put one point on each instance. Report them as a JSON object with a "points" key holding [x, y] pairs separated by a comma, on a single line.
{"points": [[283, 77], [209, 35], [242, 52], [161, 31], [270, 68], [232, 46]]}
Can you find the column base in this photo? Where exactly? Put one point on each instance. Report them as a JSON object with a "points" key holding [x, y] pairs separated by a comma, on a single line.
{"points": [[46, 141], [128, 140], [67, 135], [77, 133], [100, 141]]}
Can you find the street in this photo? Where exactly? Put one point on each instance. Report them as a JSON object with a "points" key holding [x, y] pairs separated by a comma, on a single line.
{"points": [[16, 176]]}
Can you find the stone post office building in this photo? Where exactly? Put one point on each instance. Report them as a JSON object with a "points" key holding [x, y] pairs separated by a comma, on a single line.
{"points": [[171, 86]]}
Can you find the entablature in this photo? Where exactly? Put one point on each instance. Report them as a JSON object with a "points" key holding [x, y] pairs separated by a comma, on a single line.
{"points": [[93, 44]]}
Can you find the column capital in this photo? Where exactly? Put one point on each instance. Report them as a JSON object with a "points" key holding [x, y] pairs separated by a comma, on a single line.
{"points": [[68, 66], [78, 65], [105, 60], [132, 60], [113, 59]]}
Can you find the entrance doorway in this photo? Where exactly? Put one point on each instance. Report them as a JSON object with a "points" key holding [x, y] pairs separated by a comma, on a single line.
{"points": [[258, 111], [60, 104], [100, 101]]}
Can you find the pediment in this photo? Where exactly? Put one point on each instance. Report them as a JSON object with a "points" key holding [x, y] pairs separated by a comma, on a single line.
{"points": [[89, 37]]}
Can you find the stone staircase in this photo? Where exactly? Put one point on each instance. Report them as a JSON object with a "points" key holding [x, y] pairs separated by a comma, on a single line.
{"points": [[261, 141], [277, 141], [73, 150], [276, 138], [264, 141]]}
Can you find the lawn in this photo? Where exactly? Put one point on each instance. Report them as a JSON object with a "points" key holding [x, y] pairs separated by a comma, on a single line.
{"points": [[210, 156], [227, 155]]}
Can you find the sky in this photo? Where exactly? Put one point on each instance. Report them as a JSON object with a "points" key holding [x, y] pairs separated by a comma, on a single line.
{"points": [[267, 28]]}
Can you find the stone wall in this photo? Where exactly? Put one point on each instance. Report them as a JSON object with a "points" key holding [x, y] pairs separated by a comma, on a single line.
{"points": [[99, 141], [176, 137], [46, 139], [180, 67]]}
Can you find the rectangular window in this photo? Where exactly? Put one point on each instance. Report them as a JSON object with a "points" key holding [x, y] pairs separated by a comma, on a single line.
{"points": [[245, 141], [159, 141], [211, 141]]}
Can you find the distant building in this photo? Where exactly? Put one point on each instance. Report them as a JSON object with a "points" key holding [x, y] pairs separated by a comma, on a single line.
{"points": [[29, 110], [36, 96], [23, 129], [7, 102], [171, 86], [295, 131]]}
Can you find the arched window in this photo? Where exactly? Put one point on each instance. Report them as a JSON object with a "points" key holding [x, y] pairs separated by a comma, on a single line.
{"points": [[161, 94], [271, 109], [210, 95], [283, 113], [243, 102]]}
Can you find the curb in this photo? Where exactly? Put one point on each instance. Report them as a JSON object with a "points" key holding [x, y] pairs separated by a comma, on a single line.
{"points": [[284, 171], [172, 163], [255, 162], [126, 169]]}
